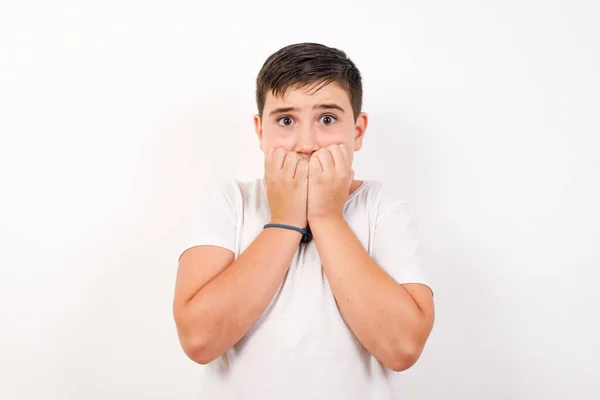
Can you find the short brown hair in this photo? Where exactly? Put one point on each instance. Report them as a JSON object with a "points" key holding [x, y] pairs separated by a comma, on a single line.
{"points": [[304, 64]]}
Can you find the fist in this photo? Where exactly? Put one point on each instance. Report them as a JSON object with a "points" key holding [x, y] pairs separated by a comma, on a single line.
{"points": [[286, 181], [330, 177]]}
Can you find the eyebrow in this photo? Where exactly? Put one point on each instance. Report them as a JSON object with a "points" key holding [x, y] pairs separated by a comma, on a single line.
{"points": [[328, 106]]}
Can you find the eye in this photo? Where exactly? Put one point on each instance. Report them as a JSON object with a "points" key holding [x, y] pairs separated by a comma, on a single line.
{"points": [[286, 120], [328, 119]]}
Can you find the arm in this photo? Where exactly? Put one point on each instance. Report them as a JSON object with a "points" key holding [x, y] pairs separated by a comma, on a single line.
{"points": [[217, 303], [392, 321], [217, 299]]}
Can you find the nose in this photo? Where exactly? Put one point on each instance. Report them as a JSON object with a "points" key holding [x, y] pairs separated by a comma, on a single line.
{"points": [[306, 142]]}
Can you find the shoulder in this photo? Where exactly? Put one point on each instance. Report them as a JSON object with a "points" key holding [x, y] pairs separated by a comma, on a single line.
{"points": [[233, 192], [388, 203], [384, 195]]}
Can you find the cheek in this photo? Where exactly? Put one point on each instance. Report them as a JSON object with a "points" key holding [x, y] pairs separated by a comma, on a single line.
{"points": [[273, 140], [339, 137]]}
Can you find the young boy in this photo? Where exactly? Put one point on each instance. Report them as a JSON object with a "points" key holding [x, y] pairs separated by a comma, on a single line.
{"points": [[304, 284]]}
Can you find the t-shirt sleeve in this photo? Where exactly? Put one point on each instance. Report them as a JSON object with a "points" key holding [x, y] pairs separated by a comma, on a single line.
{"points": [[214, 219], [396, 241]]}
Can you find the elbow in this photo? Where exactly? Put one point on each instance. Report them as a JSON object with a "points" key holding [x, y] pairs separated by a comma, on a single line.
{"points": [[194, 344], [405, 357], [200, 355], [409, 349], [198, 351], [400, 364], [195, 341]]}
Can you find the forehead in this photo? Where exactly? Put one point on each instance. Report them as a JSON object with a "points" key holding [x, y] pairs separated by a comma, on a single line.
{"points": [[333, 92]]}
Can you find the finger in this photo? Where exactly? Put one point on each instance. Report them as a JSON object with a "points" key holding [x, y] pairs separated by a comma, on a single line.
{"points": [[324, 156], [289, 165], [301, 170], [314, 166], [269, 158], [345, 152], [278, 159], [339, 160]]}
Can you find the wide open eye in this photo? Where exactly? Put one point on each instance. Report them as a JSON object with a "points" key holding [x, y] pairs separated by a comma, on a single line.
{"points": [[286, 120], [328, 119]]}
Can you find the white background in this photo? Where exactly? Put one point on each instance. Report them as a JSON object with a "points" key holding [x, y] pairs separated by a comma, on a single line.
{"points": [[114, 115]]}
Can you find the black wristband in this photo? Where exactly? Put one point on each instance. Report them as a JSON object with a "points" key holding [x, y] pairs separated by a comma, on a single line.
{"points": [[306, 233]]}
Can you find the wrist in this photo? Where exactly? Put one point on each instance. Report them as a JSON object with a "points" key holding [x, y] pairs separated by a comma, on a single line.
{"points": [[292, 222], [325, 219], [295, 231]]}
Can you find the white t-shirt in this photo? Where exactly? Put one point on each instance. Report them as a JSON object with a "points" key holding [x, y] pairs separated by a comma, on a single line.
{"points": [[301, 348]]}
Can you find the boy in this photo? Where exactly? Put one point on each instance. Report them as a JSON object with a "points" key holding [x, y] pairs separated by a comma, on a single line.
{"points": [[304, 284]]}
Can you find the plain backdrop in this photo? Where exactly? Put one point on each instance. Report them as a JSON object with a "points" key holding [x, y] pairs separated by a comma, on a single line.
{"points": [[115, 115]]}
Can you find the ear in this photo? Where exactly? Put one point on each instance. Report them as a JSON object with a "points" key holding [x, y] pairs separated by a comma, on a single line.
{"points": [[258, 130], [360, 128]]}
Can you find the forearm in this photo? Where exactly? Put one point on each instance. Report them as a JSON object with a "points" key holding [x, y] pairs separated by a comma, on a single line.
{"points": [[382, 314], [223, 311]]}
